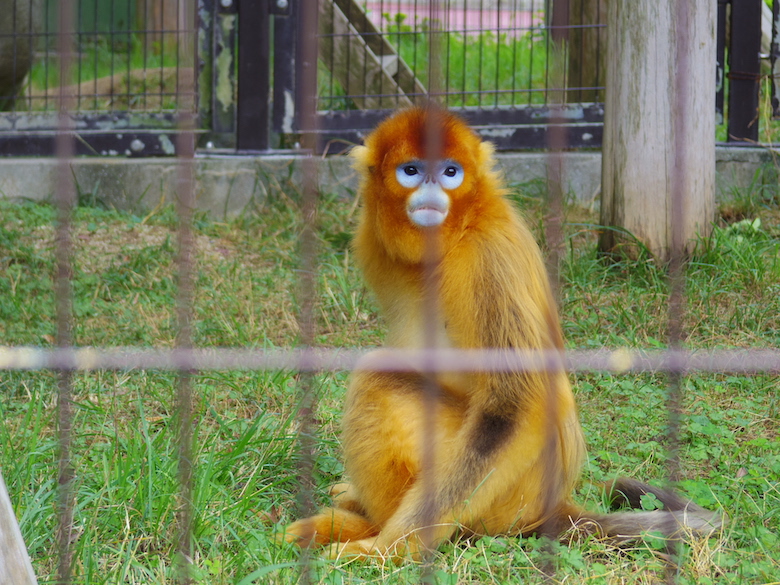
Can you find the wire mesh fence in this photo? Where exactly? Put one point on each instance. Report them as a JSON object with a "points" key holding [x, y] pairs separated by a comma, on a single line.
{"points": [[126, 57], [490, 55], [83, 374]]}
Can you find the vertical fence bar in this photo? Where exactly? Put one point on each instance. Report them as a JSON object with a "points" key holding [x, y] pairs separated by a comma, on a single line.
{"points": [[254, 51], [283, 109], [774, 59], [720, 76], [434, 142], [65, 200], [557, 136], [676, 310], [744, 70], [184, 306], [553, 226], [184, 403], [306, 77]]}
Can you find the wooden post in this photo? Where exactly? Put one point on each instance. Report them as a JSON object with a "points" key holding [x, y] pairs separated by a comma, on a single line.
{"points": [[15, 565], [587, 50], [162, 20], [641, 143]]}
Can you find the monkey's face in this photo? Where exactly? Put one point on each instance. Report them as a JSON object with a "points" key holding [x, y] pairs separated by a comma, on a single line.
{"points": [[422, 170], [429, 203]]}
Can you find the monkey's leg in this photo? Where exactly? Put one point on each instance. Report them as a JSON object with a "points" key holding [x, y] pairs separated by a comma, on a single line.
{"points": [[492, 473], [330, 525], [384, 438], [384, 434], [382, 450]]}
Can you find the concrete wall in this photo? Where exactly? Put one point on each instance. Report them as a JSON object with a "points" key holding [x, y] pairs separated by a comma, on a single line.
{"points": [[232, 184]]}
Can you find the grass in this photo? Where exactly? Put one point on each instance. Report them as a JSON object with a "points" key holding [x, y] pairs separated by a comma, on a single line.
{"points": [[246, 453]]}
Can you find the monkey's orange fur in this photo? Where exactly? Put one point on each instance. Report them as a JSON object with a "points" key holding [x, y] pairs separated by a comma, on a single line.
{"points": [[508, 446]]}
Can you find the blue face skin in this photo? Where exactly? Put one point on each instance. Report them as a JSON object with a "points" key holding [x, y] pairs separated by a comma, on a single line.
{"points": [[429, 203]]}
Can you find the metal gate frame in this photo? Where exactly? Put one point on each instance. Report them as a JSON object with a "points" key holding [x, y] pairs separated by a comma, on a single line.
{"points": [[248, 69]]}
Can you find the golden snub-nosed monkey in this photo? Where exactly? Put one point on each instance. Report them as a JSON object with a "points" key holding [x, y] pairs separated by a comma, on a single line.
{"points": [[508, 447]]}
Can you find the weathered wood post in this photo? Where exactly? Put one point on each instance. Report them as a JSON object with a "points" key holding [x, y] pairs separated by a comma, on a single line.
{"points": [[644, 112], [15, 565], [587, 50]]}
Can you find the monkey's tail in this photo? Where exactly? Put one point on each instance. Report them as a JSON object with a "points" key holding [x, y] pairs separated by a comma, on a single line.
{"points": [[679, 517]]}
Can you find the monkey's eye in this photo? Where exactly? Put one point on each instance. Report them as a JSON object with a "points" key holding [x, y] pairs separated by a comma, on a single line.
{"points": [[450, 174], [410, 174]]}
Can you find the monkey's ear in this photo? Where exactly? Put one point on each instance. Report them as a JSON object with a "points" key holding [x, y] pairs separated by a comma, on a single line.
{"points": [[486, 151], [360, 159]]}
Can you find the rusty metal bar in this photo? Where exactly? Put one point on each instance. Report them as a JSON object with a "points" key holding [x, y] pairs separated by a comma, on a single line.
{"points": [[677, 261], [619, 361], [434, 141], [306, 78], [65, 199], [557, 137], [185, 262]]}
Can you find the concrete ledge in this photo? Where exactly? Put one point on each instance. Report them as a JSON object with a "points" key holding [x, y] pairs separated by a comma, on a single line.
{"points": [[227, 185]]}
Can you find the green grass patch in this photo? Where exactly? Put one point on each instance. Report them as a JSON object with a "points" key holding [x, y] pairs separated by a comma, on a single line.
{"points": [[246, 456]]}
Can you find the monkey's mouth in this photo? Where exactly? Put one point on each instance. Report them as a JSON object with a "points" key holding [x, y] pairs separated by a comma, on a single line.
{"points": [[428, 207], [427, 216]]}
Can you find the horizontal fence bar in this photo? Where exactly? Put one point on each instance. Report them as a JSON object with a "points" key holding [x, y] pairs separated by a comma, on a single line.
{"points": [[459, 31], [462, 92], [742, 361], [132, 143]]}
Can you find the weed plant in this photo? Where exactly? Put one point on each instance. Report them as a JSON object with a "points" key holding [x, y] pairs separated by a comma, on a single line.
{"points": [[246, 460]]}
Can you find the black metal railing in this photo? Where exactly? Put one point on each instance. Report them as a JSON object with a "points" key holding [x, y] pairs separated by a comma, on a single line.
{"points": [[511, 70]]}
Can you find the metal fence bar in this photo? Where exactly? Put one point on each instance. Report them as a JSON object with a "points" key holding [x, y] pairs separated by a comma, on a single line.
{"points": [[774, 59], [619, 361], [676, 312], [554, 239], [430, 280], [185, 368], [254, 52], [744, 71], [185, 264], [65, 200], [306, 78]]}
